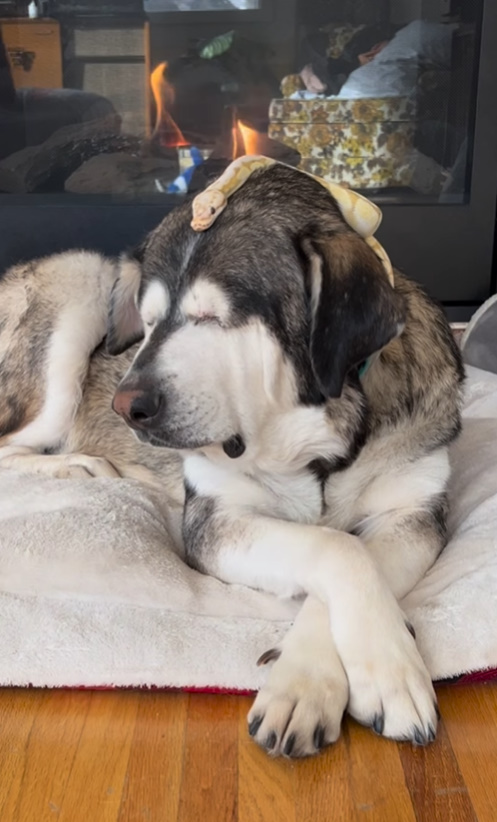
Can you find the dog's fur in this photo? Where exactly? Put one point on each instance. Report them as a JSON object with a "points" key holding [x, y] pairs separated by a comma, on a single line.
{"points": [[302, 475]]}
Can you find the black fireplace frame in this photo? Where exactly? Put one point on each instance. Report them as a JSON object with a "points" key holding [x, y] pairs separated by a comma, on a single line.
{"points": [[449, 248]]}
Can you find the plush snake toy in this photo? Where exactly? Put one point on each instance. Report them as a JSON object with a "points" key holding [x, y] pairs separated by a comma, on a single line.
{"points": [[361, 214]]}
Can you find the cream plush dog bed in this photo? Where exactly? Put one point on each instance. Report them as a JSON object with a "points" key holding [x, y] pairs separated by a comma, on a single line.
{"points": [[92, 593]]}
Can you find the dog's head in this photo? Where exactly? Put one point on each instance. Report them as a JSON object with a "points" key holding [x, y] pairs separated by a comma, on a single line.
{"points": [[275, 306]]}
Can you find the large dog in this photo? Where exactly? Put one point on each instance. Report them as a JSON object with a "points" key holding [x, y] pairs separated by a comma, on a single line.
{"points": [[304, 472]]}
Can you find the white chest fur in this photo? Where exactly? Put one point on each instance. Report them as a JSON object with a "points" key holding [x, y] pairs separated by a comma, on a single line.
{"points": [[294, 496]]}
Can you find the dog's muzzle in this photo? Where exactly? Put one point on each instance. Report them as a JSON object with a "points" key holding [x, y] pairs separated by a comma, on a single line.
{"points": [[139, 408]]}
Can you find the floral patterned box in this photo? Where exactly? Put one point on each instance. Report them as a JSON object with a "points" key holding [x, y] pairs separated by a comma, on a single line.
{"points": [[365, 143], [361, 172], [323, 140], [364, 110]]}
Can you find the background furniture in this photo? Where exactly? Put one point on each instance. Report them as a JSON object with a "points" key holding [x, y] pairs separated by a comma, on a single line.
{"points": [[33, 51], [360, 143]]}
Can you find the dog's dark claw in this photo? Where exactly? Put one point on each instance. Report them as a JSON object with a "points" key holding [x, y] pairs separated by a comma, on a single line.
{"points": [[289, 745], [437, 711], [378, 723], [431, 733], [255, 725], [410, 628], [270, 741], [269, 656], [419, 737], [318, 737]]}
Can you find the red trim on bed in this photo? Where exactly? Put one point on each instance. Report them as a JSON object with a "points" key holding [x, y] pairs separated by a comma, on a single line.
{"points": [[478, 676], [488, 675], [191, 689]]}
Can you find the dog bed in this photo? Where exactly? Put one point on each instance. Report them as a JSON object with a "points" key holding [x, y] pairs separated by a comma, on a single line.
{"points": [[92, 593]]}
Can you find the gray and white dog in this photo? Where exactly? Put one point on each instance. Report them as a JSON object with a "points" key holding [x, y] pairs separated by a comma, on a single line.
{"points": [[236, 356]]}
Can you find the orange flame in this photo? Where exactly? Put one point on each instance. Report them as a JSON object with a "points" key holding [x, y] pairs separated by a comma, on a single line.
{"points": [[246, 140], [250, 138], [169, 134]]}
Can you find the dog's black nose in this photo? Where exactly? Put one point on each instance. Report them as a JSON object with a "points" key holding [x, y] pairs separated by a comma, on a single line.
{"points": [[139, 408], [144, 408]]}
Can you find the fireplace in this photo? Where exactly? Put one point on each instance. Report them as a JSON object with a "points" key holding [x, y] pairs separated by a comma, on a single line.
{"points": [[196, 109], [121, 109], [209, 121]]}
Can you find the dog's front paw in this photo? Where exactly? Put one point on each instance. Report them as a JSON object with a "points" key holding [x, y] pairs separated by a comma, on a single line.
{"points": [[390, 687], [58, 466], [299, 710], [83, 466]]}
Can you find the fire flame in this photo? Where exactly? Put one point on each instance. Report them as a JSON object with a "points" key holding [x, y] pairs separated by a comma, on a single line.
{"points": [[165, 128], [250, 138], [246, 140]]}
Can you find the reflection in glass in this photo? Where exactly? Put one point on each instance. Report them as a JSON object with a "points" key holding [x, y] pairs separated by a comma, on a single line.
{"points": [[200, 5], [364, 94]]}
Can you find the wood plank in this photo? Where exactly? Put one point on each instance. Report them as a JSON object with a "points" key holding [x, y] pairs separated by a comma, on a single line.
{"points": [[96, 781], [323, 787], [435, 783], [59, 718], [152, 785], [266, 787], [141, 757], [209, 787], [18, 709], [377, 781], [470, 717]]}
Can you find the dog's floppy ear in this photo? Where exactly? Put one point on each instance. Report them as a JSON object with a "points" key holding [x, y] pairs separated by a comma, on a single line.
{"points": [[355, 310], [125, 326]]}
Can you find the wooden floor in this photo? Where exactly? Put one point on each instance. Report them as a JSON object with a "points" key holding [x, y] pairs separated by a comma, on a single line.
{"points": [[81, 756]]}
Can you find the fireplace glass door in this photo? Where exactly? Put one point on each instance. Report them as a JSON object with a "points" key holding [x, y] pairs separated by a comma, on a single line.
{"points": [[140, 102]]}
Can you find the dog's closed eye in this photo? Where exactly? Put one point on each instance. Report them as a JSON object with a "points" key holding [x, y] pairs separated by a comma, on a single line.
{"points": [[205, 318], [205, 302]]}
